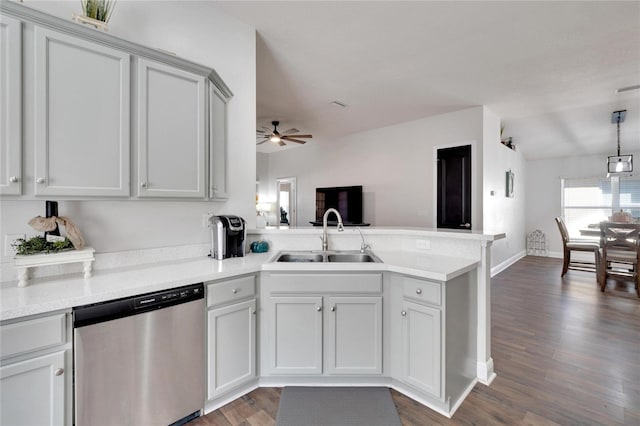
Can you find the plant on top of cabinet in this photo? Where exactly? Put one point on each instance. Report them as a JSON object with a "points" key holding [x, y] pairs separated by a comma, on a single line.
{"points": [[96, 13]]}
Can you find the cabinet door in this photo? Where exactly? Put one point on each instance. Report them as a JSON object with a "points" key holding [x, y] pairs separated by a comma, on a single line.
{"points": [[33, 391], [295, 335], [231, 347], [82, 97], [218, 144], [354, 335], [10, 106], [171, 132], [421, 347]]}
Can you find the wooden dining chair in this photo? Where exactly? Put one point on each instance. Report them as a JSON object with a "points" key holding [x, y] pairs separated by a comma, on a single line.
{"points": [[570, 245], [620, 244]]}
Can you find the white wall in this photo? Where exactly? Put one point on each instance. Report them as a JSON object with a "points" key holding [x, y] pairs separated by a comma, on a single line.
{"points": [[394, 164], [503, 214], [543, 202], [194, 31]]}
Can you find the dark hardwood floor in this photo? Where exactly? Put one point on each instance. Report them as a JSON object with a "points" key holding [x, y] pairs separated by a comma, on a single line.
{"points": [[564, 352]]}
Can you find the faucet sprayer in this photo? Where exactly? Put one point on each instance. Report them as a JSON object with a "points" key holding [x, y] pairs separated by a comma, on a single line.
{"points": [[364, 246]]}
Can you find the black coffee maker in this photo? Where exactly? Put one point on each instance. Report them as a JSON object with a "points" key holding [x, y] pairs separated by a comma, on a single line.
{"points": [[228, 235]]}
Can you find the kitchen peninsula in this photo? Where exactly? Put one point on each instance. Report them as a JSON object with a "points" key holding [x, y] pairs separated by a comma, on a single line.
{"points": [[418, 322]]}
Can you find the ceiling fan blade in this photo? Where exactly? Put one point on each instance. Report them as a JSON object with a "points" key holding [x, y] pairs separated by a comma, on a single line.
{"points": [[262, 141], [281, 143], [299, 136], [262, 132], [295, 140], [290, 131]]}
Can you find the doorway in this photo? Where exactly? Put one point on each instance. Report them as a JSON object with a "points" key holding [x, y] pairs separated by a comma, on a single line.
{"points": [[287, 209], [454, 187]]}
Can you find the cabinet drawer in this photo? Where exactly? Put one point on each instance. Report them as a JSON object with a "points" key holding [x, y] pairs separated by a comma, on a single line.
{"points": [[424, 291], [326, 283], [227, 291], [31, 335]]}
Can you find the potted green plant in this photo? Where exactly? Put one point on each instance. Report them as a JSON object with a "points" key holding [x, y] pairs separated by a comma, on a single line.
{"points": [[96, 13]]}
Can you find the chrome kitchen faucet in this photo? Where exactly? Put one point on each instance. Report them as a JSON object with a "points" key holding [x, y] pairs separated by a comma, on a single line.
{"points": [[325, 239]]}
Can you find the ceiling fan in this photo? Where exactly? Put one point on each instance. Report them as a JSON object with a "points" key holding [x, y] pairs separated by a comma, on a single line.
{"points": [[275, 136]]}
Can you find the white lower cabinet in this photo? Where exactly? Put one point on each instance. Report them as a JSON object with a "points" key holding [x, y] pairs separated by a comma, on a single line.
{"points": [[318, 324], [354, 335], [33, 391], [231, 335], [295, 335], [421, 347], [231, 347], [35, 371]]}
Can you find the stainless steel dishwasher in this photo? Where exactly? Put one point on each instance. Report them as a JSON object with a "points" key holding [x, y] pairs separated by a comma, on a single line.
{"points": [[140, 360]]}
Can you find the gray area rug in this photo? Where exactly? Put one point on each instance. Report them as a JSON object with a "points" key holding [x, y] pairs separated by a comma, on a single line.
{"points": [[336, 406]]}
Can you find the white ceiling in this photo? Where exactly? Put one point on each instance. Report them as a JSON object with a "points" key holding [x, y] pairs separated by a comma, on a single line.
{"points": [[548, 69]]}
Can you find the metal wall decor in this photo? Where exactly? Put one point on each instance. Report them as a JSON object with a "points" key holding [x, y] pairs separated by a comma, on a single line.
{"points": [[509, 183]]}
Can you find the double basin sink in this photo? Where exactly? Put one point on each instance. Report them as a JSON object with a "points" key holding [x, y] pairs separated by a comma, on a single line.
{"points": [[328, 256]]}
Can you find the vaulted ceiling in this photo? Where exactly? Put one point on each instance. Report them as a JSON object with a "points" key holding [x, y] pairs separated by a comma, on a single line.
{"points": [[548, 69]]}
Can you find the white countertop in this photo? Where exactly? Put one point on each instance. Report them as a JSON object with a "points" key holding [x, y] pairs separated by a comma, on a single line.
{"points": [[64, 292], [385, 230]]}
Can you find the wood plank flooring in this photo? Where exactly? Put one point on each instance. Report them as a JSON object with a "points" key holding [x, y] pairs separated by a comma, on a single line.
{"points": [[564, 352]]}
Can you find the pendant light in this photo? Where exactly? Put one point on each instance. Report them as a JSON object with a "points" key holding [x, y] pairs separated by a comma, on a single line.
{"points": [[619, 164]]}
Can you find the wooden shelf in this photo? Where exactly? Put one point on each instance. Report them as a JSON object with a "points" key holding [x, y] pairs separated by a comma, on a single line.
{"points": [[26, 262]]}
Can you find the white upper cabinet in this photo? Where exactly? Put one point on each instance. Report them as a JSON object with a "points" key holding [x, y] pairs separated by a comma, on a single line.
{"points": [[10, 106], [171, 131], [81, 100], [217, 144]]}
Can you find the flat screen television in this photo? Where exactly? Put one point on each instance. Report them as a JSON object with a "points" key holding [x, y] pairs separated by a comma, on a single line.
{"points": [[346, 199]]}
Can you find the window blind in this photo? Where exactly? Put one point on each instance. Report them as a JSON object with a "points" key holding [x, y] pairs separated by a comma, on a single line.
{"points": [[585, 201]]}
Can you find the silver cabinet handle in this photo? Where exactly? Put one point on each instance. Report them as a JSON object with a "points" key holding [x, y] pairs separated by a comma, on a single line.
{"points": [[234, 291], [13, 179], [143, 185], [59, 372], [333, 308], [418, 291], [403, 313], [40, 180], [318, 308]]}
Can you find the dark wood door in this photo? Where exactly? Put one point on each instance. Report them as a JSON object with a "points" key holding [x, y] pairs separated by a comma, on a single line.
{"points": [[454, 187]]}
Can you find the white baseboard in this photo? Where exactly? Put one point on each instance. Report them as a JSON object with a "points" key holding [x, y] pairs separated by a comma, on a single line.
{"points": [[505, 264], [556, 254], [485, 372], [216, 403], [464, 395]]}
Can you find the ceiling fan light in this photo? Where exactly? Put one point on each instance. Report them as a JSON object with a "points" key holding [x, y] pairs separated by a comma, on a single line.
{"points": [[274, 138]]}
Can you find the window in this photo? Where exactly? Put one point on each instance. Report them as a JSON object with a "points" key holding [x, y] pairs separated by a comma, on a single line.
{"points": [[587, 201], [630, 196]]}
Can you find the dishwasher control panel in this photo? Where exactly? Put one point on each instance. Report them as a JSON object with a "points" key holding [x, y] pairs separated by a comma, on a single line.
{"points": [[120, 308], [167, 297]]}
